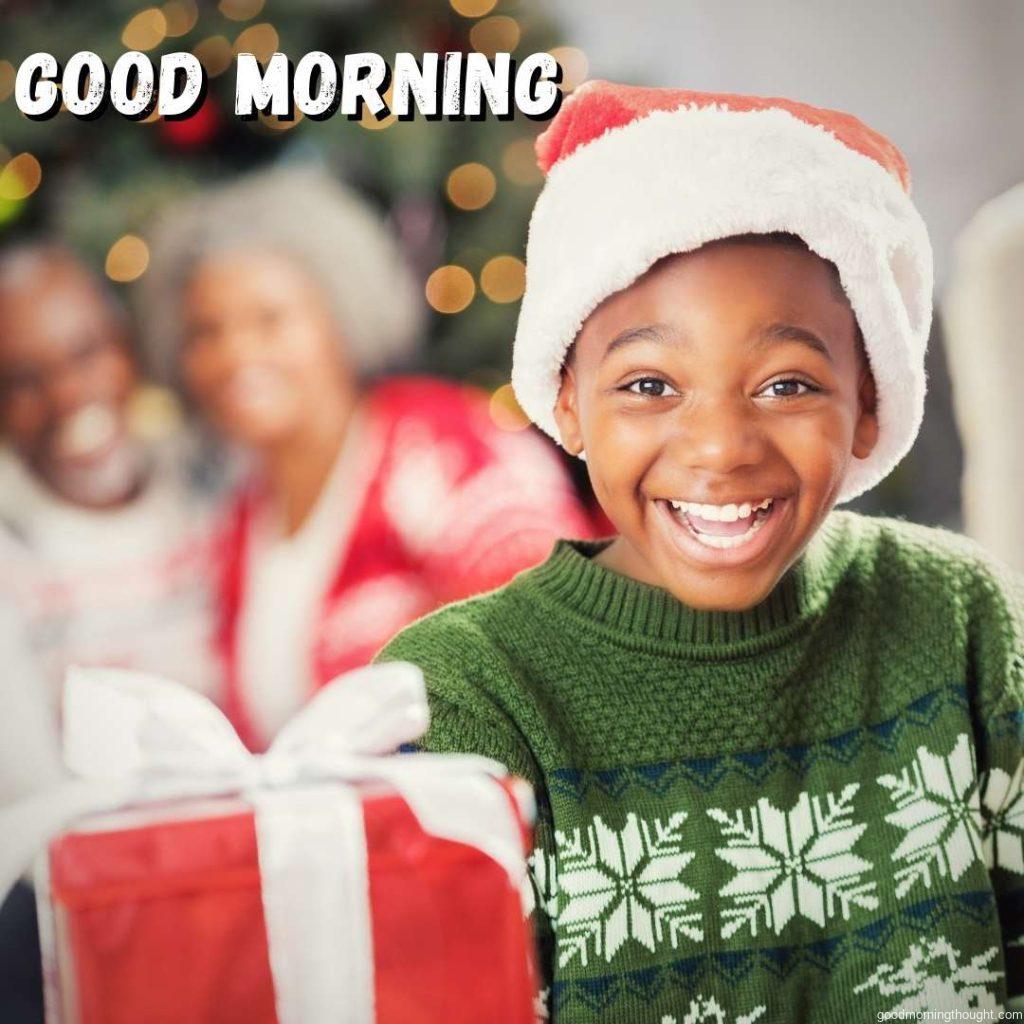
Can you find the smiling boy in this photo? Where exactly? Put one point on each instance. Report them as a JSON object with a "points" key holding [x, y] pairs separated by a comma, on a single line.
{"points": [[721, 397], [777, 748]]}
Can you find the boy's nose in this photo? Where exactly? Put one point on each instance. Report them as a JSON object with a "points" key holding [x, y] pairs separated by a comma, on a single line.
{"points": [[719, 437]]}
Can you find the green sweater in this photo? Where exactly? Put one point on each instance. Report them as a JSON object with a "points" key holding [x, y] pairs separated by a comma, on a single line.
{"points": [[808, 811]]}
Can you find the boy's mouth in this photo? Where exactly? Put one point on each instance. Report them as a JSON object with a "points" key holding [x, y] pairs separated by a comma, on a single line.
{"points": [[723, 526], [724, 535]]}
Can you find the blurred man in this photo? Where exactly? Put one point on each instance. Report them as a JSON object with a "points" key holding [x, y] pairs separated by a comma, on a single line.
{"points": [[103, 538], [102, 535]]}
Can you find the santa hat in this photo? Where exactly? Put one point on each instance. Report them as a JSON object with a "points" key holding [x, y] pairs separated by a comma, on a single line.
{"points": [[637, 174]]}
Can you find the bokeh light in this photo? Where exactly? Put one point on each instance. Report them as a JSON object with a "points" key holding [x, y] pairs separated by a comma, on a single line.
{"points": [[146, 30], [20, 178], [471, 186], [575, 66], [506, 412], [277, 124], [240, 10], [473, 8], [503, 279], [154, 413], [181, 16], [127, 259], [7, 77], [499, 34], [215, 54], [260, 40], [371, 123], [519, 162], [450, 289]]}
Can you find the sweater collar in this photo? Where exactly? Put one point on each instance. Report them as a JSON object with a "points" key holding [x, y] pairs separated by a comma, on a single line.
{"points": [[641, 612]]}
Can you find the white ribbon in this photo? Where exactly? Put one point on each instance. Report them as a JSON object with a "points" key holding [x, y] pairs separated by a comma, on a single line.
{"points": [[134, 739]]}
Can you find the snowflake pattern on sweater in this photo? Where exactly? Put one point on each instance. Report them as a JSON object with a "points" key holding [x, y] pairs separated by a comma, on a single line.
{"points": [[800, 862], [707, 1010], [620, 886], [624, 885], [603, 888], [933, 976], [937, 805], [1002, 804]]}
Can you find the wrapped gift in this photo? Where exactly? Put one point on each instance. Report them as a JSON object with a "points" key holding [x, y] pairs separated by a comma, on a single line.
{"points": [[319, 882]]}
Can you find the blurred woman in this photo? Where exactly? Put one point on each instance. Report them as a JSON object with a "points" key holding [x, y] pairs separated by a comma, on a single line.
{"points": [[277, 302]]}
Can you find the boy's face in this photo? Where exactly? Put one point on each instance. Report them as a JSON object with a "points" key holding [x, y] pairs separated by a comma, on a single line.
{"points": [[731, 377]]}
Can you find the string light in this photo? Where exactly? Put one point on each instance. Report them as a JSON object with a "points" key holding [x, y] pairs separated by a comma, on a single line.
{"points": [[181, 16], [214, 53], [473, 8], [146, 30], [519, 162], [503, 279], [506, 412], [7, 76], [450, 289], [574, 64], [260, 40], [493, 35], [127, 259], [20, 177], [471, 186], [240, 10]]}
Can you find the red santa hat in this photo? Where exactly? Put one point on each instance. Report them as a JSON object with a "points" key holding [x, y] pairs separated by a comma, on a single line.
{"points": [[636, 174]]}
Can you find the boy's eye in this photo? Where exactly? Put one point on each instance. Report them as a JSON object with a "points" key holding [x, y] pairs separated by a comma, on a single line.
{"points": [[651, 387], [788, 388]]}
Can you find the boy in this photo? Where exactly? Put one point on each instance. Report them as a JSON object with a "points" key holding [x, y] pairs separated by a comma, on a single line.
{"points": [[776, 748]]}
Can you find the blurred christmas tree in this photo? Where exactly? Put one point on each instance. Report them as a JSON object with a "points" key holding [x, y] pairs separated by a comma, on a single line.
{"points": [[458, 193]]}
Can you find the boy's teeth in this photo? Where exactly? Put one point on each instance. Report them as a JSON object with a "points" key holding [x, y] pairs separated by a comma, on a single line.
{"points": [[736, 516], [720, 513]]}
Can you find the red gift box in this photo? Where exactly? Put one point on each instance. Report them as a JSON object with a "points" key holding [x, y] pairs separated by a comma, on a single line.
{"points": [[156, 915]]}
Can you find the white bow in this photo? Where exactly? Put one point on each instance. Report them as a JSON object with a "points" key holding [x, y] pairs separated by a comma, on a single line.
{"points": [[131, 738]]}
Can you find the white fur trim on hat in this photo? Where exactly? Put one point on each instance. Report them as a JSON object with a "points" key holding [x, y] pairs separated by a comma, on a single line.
{"points": [[674, 180]]}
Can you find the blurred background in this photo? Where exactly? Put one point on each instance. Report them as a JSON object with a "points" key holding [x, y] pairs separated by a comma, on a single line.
{"points": [[942, 77]]}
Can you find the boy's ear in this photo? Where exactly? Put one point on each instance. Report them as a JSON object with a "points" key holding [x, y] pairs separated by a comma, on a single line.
{"points": [[567, 413], [865, 434]]}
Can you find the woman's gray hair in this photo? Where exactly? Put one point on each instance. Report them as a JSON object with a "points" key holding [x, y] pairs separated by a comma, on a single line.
{"points": [[303, 212]]}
